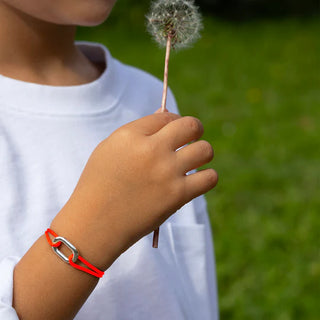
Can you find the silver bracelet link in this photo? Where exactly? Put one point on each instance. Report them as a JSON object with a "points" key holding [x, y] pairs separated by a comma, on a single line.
{"points": [[69, 245]]}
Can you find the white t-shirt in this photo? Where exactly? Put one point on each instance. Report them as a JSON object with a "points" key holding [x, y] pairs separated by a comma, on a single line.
{"points": [[47, 134]]}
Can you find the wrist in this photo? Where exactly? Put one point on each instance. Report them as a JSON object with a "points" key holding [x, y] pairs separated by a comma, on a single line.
{"points": [[99, 247]]}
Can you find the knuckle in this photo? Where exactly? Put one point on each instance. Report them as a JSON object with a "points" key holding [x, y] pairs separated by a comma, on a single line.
{"points": [[164, 171], [146, 151], [165, 117], [194, 125], [177, 193], [124, 134]]}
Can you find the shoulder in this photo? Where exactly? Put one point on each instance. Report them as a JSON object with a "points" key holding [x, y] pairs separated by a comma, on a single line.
{"points": [[141, 77]]}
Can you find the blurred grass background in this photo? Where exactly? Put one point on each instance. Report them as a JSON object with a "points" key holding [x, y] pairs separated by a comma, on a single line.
{"points": [[255, 86]]}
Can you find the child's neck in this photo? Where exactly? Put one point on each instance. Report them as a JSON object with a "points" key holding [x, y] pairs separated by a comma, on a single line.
{"points": [[36, 51]]}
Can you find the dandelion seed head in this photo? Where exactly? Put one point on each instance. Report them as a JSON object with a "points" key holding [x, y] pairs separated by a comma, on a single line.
{"points": [[179, 19]]}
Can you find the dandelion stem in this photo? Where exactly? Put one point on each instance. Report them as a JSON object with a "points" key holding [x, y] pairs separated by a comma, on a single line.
{"points": [[163, 109], [172, 24], [166, 74], [155, 238]]}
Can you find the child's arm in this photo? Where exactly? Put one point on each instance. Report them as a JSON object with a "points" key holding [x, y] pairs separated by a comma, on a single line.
{"points": [[133, 181]]}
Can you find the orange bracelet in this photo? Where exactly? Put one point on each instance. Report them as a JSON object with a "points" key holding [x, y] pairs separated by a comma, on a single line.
{"points": [[56, 243]]}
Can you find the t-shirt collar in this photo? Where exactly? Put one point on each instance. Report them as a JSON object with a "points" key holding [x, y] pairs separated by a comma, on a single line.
{"points": [[94, 97]]}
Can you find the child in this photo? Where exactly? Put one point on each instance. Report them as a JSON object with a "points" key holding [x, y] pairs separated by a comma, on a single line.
{"points": [[81, 154]]}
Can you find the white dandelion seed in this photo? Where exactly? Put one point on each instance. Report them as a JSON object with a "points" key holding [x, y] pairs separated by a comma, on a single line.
{"points": [[179, 19], [173, 24]]}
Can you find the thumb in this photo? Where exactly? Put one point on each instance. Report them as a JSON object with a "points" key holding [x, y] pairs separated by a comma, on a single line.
{"points": [[152, 123], [159, 110]]}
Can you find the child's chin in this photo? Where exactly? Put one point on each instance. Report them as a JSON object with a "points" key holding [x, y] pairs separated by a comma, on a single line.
{"points": [[90, 21], [87, 15], [96, 14]]}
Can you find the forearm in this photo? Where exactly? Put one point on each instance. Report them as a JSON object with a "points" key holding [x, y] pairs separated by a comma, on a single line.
{"points": [[47, 288]]}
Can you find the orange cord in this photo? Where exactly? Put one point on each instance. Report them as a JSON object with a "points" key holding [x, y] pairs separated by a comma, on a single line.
{"points": [[95, 271], [49, 240]]}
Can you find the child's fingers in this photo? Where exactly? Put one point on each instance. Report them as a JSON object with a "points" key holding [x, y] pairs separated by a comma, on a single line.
{"points": [[180, 132], [200, 182], [151, 124], [194, 155]]}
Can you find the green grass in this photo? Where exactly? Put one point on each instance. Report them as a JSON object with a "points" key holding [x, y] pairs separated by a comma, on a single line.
{"points": [[255, 86]]}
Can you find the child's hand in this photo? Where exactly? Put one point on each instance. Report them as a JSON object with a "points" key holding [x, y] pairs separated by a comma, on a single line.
{"points": [[135, 179]]}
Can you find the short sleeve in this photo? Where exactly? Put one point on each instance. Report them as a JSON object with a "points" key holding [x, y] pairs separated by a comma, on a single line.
{"points": [[7, 265]]}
